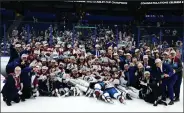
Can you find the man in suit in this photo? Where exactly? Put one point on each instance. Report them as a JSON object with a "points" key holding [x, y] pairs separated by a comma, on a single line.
{"points": [[177, 66], [12, 90], [15, 50], [164, 74]]}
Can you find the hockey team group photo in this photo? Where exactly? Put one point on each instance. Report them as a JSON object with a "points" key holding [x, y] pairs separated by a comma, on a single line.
{"points": [[103, 53]]}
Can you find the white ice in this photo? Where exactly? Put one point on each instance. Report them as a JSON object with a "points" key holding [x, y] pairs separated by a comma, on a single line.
{"points": [[86, 104]]}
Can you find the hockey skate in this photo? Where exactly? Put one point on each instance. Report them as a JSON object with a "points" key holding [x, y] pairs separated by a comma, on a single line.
{"points": [[34, 93], [64, 92], [106, 99], [97, 94], [128, 97], [89, 92], [57, 93], [75, 91], [121, 100]]}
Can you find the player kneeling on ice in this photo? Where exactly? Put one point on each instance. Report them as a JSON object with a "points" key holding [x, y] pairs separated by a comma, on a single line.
{"points": [[34, 81], [43, 82], [151, 90]]}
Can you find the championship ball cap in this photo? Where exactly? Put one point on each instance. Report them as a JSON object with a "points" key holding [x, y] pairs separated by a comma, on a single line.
{"points": [[146, 72], [115, 48], [24, 55], [89, 54], [18, 45], [72, 57], [37, 66], [57, 45], [114, 69], [28, 45], [82, 57], [53, 60], [148, 50], [156, 51], [52, 74], [136, 50], [102, 51], [36, 52], [44, 42], [44, 67], [59, 42], [128, 54], [37, 43], [120, 50], [61, 64], [80, 46], [115, 54], [69, 46], [97, 45], [158, 60], [74, 70], [126, 65], [55, 53], [43, 59], [173, 52], [165, 53]]}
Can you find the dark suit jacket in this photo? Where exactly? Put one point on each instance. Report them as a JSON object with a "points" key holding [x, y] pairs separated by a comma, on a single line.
{"points": [[13, 54], [9, 89], [166, 70]]}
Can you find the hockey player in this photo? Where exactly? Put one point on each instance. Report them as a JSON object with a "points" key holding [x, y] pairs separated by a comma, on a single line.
{"points": [[34, 80], [146, 64], [44, 61], [42, 83], [82, 62], [110, 90], [71, 65], [106, 90], [68, 84]]}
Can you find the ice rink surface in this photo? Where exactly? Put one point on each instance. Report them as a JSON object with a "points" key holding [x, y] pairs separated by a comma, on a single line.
{"points": [[86, 104]]}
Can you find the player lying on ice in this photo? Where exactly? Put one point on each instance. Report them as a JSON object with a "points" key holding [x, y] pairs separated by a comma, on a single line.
{"points": [[103, 86]]}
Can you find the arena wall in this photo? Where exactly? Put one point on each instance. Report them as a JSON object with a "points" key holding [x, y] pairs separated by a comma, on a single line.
{"points": [[4, 61]]}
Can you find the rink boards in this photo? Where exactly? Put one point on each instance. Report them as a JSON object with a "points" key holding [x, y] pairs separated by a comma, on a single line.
{"points": [[4, 61]]}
